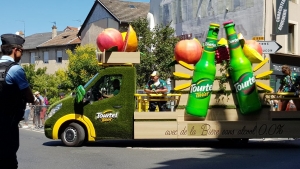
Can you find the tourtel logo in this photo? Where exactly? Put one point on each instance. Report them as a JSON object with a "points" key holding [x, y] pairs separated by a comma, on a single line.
{"points": [[233, 41], [106, 116], [210, 45], [202, 88], [245, 84]]}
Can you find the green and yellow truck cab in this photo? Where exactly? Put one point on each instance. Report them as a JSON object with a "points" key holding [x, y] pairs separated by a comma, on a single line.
{"points": [[93, 118], [125, 115]]}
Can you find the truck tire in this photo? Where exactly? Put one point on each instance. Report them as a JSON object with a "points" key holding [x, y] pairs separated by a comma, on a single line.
{"points": [[73, 135]]}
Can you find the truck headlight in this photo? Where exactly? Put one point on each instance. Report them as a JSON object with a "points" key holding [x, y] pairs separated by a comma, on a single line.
{"points": [[54, 110]]}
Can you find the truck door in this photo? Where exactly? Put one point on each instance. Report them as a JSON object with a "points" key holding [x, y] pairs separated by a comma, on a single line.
{"points": [[106, 109]]}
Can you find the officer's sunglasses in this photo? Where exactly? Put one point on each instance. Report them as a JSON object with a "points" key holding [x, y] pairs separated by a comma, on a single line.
{"points": [[20, 50]]}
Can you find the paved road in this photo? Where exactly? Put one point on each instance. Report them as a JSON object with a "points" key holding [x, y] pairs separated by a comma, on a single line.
{"points": [[38, 152]]}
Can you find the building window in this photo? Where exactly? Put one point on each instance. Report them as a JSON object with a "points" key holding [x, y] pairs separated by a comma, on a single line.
{"points": [[174, 12], [195, 8], [203, 9], [184, 11], [166, 14], [295, 1], [46, 57], [180, 19], [32, 57], [59, 56], [291, 39]]}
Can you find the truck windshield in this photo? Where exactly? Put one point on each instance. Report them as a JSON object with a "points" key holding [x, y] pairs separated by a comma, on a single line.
{"points": [[90, 81]]}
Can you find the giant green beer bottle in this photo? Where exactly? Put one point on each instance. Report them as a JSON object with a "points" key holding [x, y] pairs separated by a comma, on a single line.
{"points": [[241, 73], [204, 75]]}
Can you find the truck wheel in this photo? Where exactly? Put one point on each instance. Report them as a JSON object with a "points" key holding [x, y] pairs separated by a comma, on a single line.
{"points": [[73, 135]]}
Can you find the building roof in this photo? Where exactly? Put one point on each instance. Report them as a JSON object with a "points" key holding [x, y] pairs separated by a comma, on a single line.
{"points": [[122, 11], [32, 41], [67, 37], [126, 11]]}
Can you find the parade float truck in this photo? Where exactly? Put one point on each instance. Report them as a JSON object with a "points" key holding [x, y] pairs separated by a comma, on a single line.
{"points": [[77, 120]]}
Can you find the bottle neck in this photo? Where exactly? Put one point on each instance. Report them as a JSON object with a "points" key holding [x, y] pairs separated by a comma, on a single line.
{"points": [[210, 44], [233, 41]]}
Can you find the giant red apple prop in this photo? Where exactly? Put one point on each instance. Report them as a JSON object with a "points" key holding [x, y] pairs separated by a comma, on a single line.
{"points": [[110, 38], [255, 45], [189, 51]]}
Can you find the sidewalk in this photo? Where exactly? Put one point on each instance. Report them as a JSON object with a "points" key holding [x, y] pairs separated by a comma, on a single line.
{"points": [[30, 125]]}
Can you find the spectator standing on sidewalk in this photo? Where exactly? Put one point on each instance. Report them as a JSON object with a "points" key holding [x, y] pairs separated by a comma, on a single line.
{"points": [[15, 92], [26, 115], [42, 107], [36, 108]]}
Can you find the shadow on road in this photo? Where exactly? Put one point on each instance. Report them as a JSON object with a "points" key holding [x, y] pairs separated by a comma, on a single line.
{"points": [[212, 143]]}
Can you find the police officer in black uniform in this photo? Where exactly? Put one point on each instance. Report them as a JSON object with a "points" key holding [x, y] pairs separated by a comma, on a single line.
{"points": [[15, 92]]}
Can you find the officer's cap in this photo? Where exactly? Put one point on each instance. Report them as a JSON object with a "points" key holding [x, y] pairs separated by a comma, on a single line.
{"points": [[12, 39]]}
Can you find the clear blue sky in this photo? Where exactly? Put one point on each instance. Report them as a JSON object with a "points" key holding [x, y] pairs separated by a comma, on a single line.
{"points": [[38, 15]]}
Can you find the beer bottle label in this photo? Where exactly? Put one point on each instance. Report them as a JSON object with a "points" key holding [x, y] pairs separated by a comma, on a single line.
{"points": [[210, 45], [233, 41], [246, 84], [201, 88]]}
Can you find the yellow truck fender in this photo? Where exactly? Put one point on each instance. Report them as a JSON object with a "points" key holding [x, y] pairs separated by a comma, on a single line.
{"points": [[83, 119]]}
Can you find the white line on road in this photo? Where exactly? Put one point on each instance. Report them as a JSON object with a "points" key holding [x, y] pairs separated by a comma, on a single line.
{"points": [[171, 148]]}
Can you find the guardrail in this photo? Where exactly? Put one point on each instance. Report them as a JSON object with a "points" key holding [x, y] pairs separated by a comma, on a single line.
{"points": [[271, 97], [37, 114], [281, 96], [144, 99]]}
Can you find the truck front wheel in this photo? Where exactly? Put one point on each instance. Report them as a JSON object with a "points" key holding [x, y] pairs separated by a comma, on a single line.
{"points": [[73, 135]]}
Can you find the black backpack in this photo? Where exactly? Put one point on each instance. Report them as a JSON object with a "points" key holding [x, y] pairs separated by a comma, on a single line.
{"points": [[4, 68]]}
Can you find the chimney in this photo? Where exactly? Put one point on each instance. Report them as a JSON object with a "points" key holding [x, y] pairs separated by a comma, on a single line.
{"points": [[54, 31], [20, 33]]}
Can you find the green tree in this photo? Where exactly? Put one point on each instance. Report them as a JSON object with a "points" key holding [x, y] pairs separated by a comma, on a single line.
{"points": [[157, 50], [31, 73], [83, 65], [40, 81], [65, 84]]}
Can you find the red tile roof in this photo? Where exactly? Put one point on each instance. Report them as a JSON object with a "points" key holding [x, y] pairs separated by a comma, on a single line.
{"points": [[68, 37]]}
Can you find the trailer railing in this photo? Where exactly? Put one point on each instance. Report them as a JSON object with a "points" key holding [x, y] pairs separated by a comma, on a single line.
{"points": [[144, 99], [275, 99]]}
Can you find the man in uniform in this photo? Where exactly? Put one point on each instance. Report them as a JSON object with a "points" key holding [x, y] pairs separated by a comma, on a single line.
{"points": [[15, 92]]}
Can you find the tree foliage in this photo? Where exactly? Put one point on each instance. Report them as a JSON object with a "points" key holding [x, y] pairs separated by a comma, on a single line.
{"points": [[44, 83], [157, 50], [83, 65], [31, 73]]}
